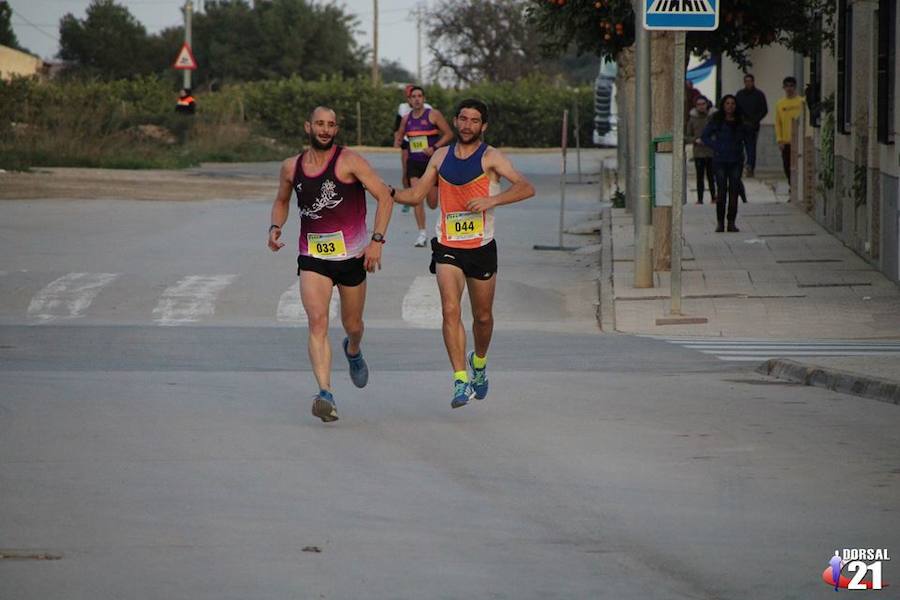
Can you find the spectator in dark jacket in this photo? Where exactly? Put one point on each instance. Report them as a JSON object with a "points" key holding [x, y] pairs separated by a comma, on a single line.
{"points": [[726, 134], [752, 103]]}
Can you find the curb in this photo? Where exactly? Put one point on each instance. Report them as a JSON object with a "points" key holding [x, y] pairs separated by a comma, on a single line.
{"points": [[836, 380], [606, 308]]}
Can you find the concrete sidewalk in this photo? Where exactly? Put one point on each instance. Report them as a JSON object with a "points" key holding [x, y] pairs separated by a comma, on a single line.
{"points": [[782, 276]]}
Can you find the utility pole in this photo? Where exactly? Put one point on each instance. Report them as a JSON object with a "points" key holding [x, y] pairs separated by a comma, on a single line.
{"points": [[419, 44], [188, 13], [677, 172], [643, 219], [375, 45]]}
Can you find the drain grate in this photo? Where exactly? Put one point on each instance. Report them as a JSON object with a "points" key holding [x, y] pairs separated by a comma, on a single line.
{"points": [[808, 260], [28, 555], [833, 285], [779, 235]]}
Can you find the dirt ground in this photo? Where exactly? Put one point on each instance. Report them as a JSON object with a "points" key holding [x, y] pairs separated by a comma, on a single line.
{"points": [[68, 183]]}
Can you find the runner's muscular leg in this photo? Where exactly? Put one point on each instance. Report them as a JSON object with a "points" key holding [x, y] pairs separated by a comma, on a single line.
{"points": [[481, 295], [451, 281], [419, 209], [404, 154], [353, 300], [315, 293]]}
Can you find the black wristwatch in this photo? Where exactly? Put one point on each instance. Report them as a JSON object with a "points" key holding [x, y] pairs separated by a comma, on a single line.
{"points": [[393, 191], [377, 237], [273, 226]]}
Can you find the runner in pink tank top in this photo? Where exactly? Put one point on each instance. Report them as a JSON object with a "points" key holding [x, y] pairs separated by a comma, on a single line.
{"points": [[335, 249]]}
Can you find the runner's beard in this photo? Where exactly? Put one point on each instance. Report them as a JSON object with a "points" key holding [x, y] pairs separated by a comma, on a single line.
{"points": [[468, 138], [315, 143]]}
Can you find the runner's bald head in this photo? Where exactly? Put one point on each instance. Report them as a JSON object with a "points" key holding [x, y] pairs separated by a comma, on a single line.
{"points": [[314, 112]]}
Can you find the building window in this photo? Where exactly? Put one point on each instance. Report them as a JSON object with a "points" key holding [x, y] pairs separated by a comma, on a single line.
{"points": [[844, 66], [887, 52]]}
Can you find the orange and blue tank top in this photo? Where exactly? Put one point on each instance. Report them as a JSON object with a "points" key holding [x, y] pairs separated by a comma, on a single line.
{"points": [[460, 180]]}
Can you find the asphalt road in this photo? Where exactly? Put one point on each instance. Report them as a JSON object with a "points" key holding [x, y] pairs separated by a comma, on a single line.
{"points": [[156, 441]]}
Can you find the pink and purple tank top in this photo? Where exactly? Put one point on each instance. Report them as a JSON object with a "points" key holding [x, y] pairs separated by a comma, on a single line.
{"points": [[332, 212]]}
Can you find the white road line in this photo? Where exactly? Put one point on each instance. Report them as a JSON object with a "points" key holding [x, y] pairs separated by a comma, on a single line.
{"points": [[191, 299], [757, 349], [855, 352], [290, 309], [421, 305], [773, 347], [69, 296]]}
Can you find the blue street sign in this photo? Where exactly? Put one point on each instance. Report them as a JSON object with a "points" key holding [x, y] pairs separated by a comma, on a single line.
{"points": [[681, 15]]}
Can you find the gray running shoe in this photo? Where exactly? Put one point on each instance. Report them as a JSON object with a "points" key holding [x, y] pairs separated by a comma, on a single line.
{"points": [[324, 407], [359, 370]]}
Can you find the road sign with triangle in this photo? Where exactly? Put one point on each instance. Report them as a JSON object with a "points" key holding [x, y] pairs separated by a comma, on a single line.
{"points": [[185, 59]]}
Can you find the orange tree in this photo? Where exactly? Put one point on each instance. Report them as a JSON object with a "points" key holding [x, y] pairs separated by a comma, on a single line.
{"points": [[605, 27]]}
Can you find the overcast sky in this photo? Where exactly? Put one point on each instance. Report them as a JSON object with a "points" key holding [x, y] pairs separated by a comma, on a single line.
{"points": [[36, 23]]}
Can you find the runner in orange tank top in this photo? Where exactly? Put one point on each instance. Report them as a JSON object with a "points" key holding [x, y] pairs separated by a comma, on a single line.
{"points": [[464, 252]]}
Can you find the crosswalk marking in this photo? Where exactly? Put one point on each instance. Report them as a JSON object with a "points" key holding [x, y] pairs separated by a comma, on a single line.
{"points": [[681, 6], [68, 296], [757, 350], [421, 305], [290, 308], [191, 299]]}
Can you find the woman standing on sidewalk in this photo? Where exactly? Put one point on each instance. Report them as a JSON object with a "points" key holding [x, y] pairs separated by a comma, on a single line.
{"points": [[727, 136], [697, 121]]}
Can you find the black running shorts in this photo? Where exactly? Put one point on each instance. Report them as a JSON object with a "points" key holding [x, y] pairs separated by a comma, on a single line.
{"points": [[477, 263], [349, 273], [415, 168]]}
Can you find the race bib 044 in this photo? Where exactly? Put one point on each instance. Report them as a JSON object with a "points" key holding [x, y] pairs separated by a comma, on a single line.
{"points": [[326, 245], [461, 226]]}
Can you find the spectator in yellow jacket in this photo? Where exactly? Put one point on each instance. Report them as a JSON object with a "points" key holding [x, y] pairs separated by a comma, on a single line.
{"points": [[786, 110]]}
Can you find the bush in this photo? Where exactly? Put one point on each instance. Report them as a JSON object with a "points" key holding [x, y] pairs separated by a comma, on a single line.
{"points": [[92, 123]]}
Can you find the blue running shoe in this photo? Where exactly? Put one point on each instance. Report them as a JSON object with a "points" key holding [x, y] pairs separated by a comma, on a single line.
{"points": [[462, 393], [324, 407], [359, 370], [479, 378]]}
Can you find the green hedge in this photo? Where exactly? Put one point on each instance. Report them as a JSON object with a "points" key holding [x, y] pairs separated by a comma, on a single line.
{"points": [[77, 120], [527, 113]]}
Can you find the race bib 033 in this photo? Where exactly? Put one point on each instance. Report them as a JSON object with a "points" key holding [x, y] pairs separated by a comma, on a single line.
{"points": [[326, 245]]}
